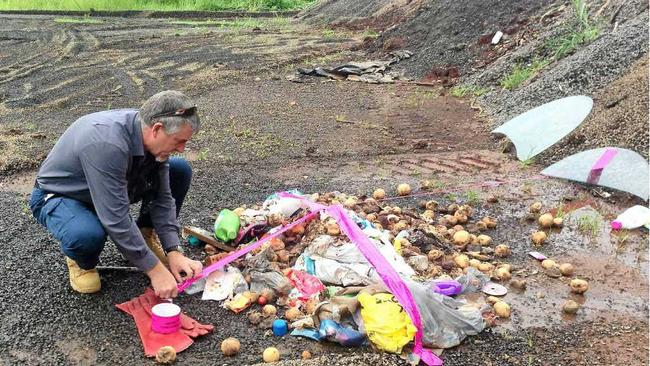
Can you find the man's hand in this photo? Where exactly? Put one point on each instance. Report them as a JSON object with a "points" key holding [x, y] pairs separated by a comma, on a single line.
{"points": [[178, 263], [162, 281]]}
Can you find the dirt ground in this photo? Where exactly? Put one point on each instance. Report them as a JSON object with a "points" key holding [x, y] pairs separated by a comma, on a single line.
{"points": [[261, 134]]}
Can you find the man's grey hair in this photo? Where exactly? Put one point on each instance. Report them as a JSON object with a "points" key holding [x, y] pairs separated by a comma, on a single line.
{"points": [[168, 101]]}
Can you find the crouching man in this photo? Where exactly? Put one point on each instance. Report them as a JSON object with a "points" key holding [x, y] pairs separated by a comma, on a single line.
{"points": [[106, 161]]}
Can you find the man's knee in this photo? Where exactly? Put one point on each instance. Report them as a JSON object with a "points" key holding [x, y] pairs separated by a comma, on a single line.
{"points": [[85, 242], [180, 171]]}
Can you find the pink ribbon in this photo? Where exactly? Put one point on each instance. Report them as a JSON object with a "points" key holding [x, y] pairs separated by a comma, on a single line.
{"points": [[600, 164], [386, 272], [235, 255]]}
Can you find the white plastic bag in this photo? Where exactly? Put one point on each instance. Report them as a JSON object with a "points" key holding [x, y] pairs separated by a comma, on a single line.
{"points": [[445, 321], [221, 285], [632, 218]]}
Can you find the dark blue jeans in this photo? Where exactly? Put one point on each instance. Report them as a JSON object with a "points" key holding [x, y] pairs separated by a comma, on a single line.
{"points": [[76, 226]]}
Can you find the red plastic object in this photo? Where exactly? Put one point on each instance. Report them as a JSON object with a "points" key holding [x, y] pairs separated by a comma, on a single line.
{"points": [[307, 284]]}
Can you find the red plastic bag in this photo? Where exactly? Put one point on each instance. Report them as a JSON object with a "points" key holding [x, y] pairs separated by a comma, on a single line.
{"points": [[307, 284]]}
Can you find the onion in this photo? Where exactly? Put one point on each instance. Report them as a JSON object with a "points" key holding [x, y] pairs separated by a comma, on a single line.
{"points": [[461, 261], [566, 269], [485, 267], [166, 355], [502, 274], [332, 229], [230, 346], [548, 264], [536, 207], [490, 222], [271, 354], [502, 250], [484, 239], [428, 215], [269, 310], [461, 237], [502, 309], [293, 314], [579, 286], [431, 205], [538, 237], [518, 284], [570, 307], [435, 254], [546, 220], [403, 189]]}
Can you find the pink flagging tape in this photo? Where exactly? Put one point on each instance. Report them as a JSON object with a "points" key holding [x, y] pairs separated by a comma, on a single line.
{"points": [[389, 276], [600, 164], [236, 255]]}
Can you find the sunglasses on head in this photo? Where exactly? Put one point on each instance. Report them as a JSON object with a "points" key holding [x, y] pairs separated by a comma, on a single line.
{"points": [[183, 112]]}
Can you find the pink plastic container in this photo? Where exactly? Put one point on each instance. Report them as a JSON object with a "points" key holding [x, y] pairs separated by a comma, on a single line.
{"points": [[165, 318]]}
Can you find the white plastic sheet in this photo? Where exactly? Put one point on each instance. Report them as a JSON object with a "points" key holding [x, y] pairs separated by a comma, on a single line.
{"points": [[625, 171], [538, 129]]}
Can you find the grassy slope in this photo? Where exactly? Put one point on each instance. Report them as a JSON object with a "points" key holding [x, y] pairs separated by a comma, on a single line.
{"points": [[250, 5]]}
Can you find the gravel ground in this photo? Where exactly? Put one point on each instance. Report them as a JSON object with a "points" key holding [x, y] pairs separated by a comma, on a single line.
{"points": [[455, 40], [372, 14], [618, 57], [236, 161], [619, 118]]}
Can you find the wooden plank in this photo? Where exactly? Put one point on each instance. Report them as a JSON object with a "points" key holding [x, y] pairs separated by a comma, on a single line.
{"points": [[206, 237]]}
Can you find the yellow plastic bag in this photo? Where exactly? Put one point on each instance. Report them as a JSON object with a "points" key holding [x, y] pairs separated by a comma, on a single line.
{"points": [[388, 326]]}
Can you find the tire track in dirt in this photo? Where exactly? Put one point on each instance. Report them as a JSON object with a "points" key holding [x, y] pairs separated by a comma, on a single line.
{"points": [[76, 59]]}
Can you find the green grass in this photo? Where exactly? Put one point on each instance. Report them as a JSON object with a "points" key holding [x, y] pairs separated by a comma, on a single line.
{"points": [[527, 163], [202, 154], [451, 197], [580, 31], [521, 73], [472, 197], [370, 33], [209, 5], [83, 20], [589, 225], [460, 91], [333, 34]]}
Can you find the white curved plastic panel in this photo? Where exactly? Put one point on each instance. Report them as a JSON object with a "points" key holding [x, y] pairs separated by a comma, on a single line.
{"points": [[626, 171], [538, 129]]}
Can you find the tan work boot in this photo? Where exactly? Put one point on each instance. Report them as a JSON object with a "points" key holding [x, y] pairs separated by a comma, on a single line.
{"points": [[82, 280], [153, 243]]}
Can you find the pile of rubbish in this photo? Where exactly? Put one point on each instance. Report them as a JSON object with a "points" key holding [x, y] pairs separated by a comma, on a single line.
{"points": [[311, 277], [372, 72]]}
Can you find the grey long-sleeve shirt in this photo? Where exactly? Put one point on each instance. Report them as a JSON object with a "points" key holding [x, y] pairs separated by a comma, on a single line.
{"points": [[100, 160]]}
